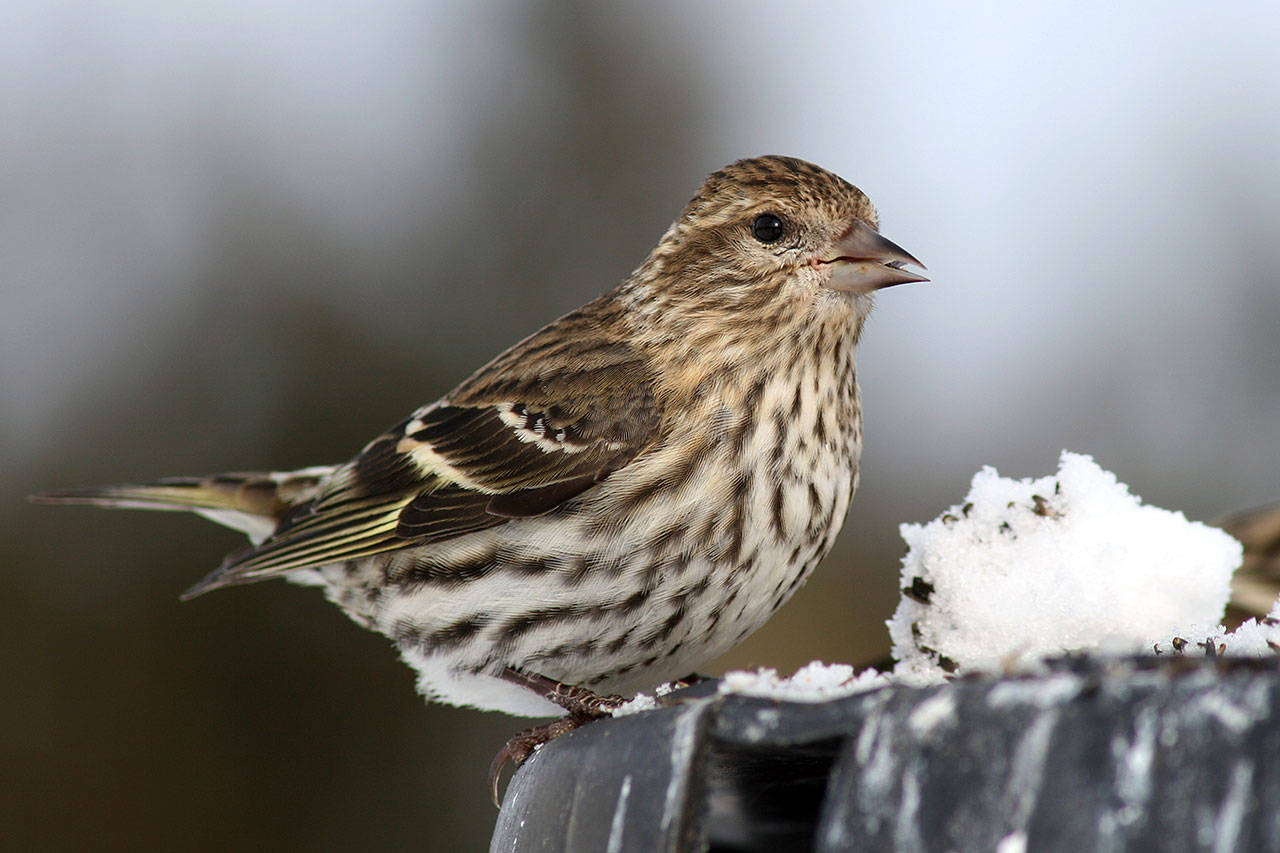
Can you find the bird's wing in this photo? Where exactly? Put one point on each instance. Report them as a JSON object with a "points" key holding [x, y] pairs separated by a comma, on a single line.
{"points": [[516, 440]]}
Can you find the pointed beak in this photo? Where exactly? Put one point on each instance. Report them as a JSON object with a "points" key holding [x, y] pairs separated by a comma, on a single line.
{"points": [[862, 261]]}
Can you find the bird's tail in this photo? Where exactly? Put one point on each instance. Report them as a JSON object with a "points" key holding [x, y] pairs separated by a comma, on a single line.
{"points": [[250, 502]]}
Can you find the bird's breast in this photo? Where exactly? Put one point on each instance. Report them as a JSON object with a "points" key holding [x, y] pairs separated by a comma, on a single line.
{"points": [[763, 463]]}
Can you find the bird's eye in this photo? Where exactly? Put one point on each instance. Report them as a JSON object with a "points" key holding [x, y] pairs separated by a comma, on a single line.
{"points": [[767, 228]]}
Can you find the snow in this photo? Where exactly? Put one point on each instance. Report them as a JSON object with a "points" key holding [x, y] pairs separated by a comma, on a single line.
{"points": [[639, 703], [813, 682], [1025, 569], [643, 701], [1253, 638]]}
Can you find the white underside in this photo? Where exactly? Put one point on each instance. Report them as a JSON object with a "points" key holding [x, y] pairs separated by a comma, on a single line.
{"points": [[256, 527], [437, 683]]}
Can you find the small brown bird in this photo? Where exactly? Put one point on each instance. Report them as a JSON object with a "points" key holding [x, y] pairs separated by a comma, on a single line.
{"points": [[618, 498]]}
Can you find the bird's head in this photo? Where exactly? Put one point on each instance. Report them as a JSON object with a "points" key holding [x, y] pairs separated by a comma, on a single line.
{"points": [[775, 226]]}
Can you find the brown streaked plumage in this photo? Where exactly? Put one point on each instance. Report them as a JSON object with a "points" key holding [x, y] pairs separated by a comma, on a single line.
{"points": [[619, 497]]}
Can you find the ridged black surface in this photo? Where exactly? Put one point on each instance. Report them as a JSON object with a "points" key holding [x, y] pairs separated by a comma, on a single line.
{"points": [[1145, 754]]}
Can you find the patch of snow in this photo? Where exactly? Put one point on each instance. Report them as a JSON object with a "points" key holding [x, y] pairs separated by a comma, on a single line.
{"points": [[1025, 569], [639, 703], [642, 702], [1254, 638], [813, 682]]}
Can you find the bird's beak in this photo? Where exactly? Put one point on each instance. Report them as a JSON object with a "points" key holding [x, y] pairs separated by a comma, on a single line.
{"points": [[862, 261]]}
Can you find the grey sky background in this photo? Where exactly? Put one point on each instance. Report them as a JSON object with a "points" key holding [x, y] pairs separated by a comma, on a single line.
{"points": [[1093, 190], [239, 236]]}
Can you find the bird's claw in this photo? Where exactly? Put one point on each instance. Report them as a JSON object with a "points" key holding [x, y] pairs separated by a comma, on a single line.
{"points": [[523, 744]]}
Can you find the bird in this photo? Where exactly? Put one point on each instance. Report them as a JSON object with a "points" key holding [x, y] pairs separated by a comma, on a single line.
{"points": [[618, 498]]}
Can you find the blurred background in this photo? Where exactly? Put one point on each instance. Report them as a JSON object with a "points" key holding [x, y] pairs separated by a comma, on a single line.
{"points": [[243, 236]]}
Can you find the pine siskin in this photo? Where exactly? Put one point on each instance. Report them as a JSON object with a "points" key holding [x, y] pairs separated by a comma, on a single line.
{"points": [[620, 497]]}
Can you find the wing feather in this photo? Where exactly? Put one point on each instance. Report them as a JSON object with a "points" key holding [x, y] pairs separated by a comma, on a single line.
{"points": [[500, 447]]}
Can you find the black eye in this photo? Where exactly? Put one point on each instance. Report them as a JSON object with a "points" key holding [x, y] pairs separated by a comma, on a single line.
{"points": [[767, 228]]}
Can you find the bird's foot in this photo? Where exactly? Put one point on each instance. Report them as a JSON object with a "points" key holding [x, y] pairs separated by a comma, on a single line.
{"points": [[522, 744], [582, 704], [578, 701]]}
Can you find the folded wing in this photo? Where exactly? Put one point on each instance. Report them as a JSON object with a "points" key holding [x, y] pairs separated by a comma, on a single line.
{"points": [[506, 444]]}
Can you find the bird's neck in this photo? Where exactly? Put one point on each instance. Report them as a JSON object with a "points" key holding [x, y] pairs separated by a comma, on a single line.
{"points": [[698, 357]]}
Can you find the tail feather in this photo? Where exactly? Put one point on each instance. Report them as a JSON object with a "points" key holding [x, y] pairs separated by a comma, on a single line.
{"points": [[250, 502]]}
